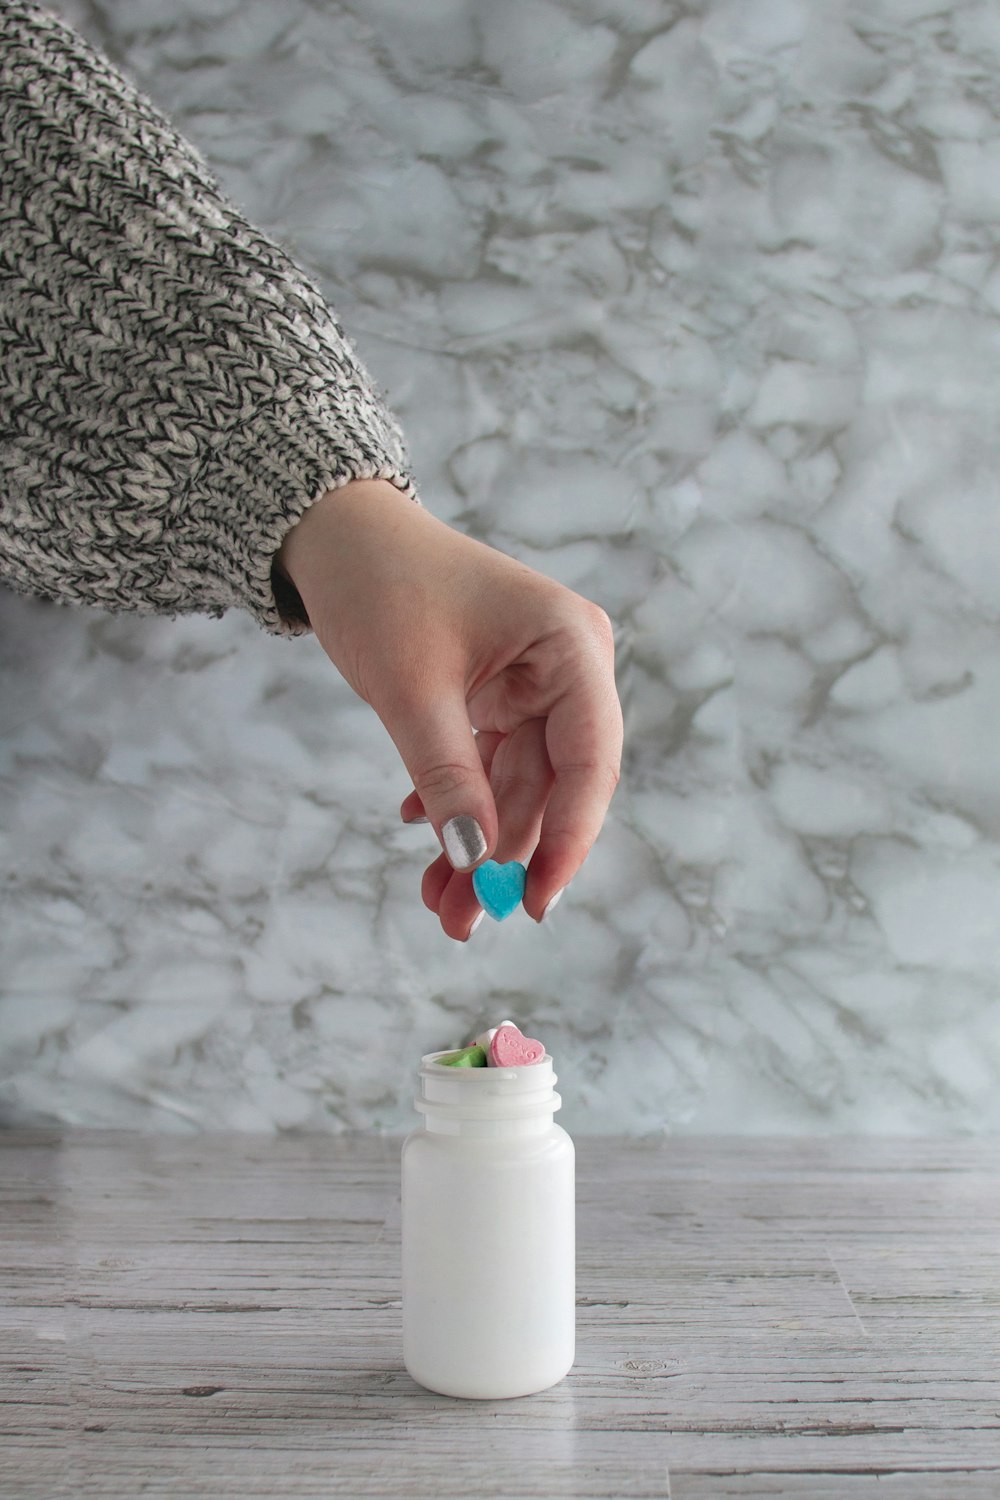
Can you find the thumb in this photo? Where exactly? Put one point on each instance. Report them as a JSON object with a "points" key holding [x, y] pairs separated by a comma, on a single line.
{"points": [[439, 751]]}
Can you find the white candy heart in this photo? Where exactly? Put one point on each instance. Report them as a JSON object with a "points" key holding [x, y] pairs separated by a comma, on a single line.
{"points": [[485, 1037]]}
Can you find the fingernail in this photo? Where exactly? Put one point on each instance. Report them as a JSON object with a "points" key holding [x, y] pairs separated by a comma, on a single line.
{"points": [[551, 904], [464, 841], [410, 821], [475, 924]]}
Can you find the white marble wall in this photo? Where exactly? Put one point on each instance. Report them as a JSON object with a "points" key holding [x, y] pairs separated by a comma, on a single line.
{"points": [[698, 310]]}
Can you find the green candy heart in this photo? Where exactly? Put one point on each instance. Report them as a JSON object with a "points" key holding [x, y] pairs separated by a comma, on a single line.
{"points": [[468, 1057]]}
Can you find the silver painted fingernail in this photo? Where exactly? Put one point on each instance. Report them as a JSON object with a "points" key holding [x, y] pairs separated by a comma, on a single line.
{"points": [[476, 924], [464, 841], [551, 904], [410, 821]]}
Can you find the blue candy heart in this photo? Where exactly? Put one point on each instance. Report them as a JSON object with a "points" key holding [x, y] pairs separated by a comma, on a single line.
{"points": [[499, 888]]}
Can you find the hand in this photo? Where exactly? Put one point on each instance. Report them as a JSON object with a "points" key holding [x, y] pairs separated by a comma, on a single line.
{"points": [[440, 634]]}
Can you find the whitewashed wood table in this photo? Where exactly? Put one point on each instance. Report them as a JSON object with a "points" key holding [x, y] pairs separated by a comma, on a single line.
{"points": [[219, 1316]]}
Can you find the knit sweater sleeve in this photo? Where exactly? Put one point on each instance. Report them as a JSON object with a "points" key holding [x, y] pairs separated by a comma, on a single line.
{"points": [[174, 392]]}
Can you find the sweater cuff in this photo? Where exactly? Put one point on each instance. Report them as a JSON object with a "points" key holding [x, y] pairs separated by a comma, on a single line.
{"points": [[259, 478]]}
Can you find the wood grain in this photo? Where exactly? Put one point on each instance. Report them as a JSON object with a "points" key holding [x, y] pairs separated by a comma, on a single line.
{"points": [[219, 1316]]}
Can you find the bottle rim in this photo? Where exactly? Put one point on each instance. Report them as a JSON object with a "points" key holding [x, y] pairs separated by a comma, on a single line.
{"points": [[487, 1093], [431, 1058]]}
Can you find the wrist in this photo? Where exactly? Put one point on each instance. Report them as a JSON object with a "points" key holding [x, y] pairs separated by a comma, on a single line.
{"points": [[337, 520]]}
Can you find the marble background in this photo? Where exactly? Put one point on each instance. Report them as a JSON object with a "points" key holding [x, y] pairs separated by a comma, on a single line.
{"points": [[696, 308]]}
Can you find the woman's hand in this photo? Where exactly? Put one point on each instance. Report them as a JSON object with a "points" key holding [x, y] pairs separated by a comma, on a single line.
{"points": [[441, 634]]}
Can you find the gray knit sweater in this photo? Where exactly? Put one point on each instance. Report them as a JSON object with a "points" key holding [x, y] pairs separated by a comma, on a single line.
{"points": [[174, 392]]}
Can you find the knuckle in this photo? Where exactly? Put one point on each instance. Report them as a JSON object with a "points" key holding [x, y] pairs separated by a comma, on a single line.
{"points": [[514, 786], [605, 775], [587, 621], [600, 620], [573, 845], [601, 627], [441, 779]]}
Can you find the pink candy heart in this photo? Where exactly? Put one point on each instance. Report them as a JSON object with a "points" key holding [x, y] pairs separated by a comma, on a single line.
{"points": [[510, 1048]]}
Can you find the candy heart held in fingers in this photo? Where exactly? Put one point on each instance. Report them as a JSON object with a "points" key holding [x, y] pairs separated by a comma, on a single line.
{"points": [[499, 888], [511, 1049]]}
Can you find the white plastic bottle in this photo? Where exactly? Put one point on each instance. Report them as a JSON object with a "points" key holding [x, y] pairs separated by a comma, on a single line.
{"points": [[489, 1233]]}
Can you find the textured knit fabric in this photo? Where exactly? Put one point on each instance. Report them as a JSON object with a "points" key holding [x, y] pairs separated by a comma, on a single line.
{"points": [[174, 392]]}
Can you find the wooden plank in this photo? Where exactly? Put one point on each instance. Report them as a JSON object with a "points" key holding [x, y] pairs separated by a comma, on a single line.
{"points": [[216, 1316]]}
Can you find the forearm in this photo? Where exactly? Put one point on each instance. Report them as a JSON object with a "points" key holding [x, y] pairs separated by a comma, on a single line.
{"points": [[176, 394]]}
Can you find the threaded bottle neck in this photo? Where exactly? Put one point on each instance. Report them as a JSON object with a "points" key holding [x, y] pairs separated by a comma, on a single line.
{"points": [[486, 1101]]}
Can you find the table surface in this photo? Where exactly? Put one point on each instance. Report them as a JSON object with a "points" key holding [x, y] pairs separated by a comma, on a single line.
{"points": [[219, 1316]]}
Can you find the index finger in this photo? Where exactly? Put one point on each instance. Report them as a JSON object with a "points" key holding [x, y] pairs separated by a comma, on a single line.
{"points": [[584, 740]]}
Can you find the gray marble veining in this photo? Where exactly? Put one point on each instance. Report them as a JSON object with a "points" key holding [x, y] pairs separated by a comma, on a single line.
{"points": [[696, 309]]}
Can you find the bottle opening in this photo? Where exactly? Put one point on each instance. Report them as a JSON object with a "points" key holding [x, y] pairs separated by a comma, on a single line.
{"points": [[487, 1093]]}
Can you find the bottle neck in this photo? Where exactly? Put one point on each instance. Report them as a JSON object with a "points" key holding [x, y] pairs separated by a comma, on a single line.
{"points": [[494, 1130], [495, 1103]]}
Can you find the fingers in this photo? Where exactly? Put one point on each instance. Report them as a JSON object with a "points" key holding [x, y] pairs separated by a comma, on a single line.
{"points": [[434, 737], [452, 897], [521, 777], [552, 776], [436, 878], [572, 821], [412, 808], [444, 890], [584, 740]]}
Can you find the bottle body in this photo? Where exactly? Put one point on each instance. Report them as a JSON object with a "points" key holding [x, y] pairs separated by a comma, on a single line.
{"points": [[488, 1229]]}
